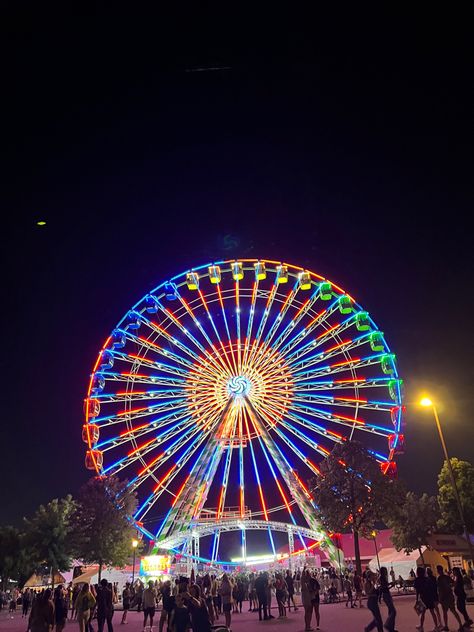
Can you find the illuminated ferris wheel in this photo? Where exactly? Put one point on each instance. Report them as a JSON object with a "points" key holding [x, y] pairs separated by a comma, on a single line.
{"points": [[220, 393]]}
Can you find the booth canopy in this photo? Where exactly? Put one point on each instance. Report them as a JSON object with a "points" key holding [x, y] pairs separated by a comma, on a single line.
{"points": [[41, 581], [402, 562]]}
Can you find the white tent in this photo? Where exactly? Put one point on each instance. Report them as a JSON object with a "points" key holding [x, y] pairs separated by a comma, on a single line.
{"points": [[402, 562]]}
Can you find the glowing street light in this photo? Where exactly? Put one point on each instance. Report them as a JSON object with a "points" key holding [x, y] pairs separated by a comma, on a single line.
{"points": [[374, 535], [426, 402]]}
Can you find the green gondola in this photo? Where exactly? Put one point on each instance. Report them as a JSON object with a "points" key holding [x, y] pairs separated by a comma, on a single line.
{"points": [[362, 321], [377, 341]]}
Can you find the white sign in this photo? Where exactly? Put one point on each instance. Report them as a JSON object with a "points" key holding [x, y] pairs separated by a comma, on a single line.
{"points": [[455, 560]]}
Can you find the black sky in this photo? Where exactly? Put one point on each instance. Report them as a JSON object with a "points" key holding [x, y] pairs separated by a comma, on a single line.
{"points": [[340, 141]]}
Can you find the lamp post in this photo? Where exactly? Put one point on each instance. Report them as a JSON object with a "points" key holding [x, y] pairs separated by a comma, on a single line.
{"points": [[427, 403], [134, 546], [374, 535]]}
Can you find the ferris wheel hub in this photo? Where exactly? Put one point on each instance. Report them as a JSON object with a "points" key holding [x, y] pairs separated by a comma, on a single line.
{"points": [[238, 386]]}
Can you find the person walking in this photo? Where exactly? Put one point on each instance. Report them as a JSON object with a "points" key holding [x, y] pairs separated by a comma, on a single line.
{"points": [[348, 591], [424, 594], [225, 591], [149, 604], [357, 581], [446, 597], [60, 608], [434, 590], [290, 585], [385, 594], [105, 606], [373, 594], [460, 593], [85, 602]]}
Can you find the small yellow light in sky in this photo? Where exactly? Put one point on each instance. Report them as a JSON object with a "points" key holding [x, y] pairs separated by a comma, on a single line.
{"points": [[41, 222], [426, 401]]}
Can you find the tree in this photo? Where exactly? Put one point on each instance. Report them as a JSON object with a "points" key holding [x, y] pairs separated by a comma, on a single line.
{"points": [[48, 535], [104, 527], [352, 493], [464, 476], [412, 521]]}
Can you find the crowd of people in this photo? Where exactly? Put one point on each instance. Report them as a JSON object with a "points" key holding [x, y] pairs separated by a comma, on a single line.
{"points": [[205, 602]]}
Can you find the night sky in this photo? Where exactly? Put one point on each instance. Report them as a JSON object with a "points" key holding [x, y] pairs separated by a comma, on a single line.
{"points": [[340, 141]]}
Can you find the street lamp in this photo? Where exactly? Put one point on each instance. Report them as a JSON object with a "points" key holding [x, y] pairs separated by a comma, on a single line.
{"points": [[427, 403], [134, 546], [374, 535]]}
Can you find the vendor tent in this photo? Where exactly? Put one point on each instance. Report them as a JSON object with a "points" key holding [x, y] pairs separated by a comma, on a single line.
{"points": [[402, 562], [43, 581]]}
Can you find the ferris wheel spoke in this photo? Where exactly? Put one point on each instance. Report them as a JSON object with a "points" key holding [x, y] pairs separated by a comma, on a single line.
{"points": [[305, 308], [225, 353], [147, 344], [132, 434], [158, 491], [138, 378], [320, 320], [342, 420], [263, 320], [341, 346], [344, 402], [137, 454], [229, 337], [216, 356], [139, 413], [338, 367], [190, 337], [133, 359], [250, 322], [195, 439]]}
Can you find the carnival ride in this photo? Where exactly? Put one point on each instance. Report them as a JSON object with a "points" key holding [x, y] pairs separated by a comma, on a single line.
{"points": [[219, 394]]}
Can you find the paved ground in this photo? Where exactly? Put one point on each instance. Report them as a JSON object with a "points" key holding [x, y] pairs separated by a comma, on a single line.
{"points": [[334, 618]]}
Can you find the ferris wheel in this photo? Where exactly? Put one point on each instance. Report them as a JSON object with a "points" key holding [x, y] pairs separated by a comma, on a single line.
{"points": [[221, 392]]}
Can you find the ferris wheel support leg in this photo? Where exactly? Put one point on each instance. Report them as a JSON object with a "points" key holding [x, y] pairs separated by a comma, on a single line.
{"points": [[294, 485], [189, 558], [244, 547], [291, 547], [197, 554]]}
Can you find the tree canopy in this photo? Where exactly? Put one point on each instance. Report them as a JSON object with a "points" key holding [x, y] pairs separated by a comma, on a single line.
{"points": [[104, 530], [412, 521], [48, 535], [352, 493], [464, 477]]}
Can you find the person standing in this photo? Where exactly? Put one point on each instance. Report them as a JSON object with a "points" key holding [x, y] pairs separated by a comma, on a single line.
{"points": [[261, 592], [126, 599], [309, 599], [149, 604], [290, 584], [60, 608], [446, 597], [225, 591], [388, 600], [105, 606], [26, 602], [200, 620], [373, 594], [434, 591], [85, 602], [42, 613], [460, 593]]}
